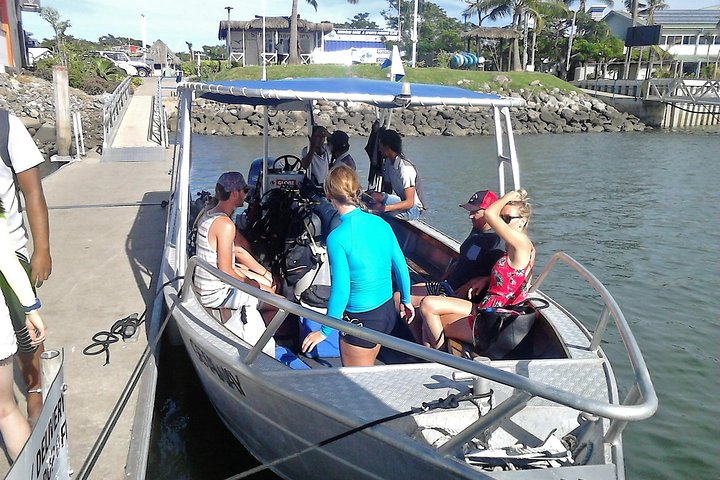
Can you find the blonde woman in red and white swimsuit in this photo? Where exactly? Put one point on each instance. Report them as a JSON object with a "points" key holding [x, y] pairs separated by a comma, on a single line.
{"points": [[509, 280]]}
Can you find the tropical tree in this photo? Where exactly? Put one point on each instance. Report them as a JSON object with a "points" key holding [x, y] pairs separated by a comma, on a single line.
{"points": [[214, 51], [541, 11], [361, 20], [436, 31], [647, 8], [477, 7], [294, 58], [595, 42], [519, 10], [52, 16]]}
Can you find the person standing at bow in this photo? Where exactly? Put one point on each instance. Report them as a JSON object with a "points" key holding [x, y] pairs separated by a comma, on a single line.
{"points": [[362, 272]]}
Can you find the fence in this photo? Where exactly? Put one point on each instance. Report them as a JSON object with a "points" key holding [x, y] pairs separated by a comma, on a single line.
{"points": [[113, 111]]}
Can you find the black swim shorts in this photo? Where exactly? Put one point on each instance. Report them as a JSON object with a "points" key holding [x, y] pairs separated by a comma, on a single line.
{"points": [[381, 319]]}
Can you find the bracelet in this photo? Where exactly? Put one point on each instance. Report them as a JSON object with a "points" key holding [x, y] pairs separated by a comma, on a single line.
{"points": [[33, 307]]}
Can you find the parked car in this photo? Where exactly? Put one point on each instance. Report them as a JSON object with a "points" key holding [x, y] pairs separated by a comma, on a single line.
{"points": [[129, 65]]}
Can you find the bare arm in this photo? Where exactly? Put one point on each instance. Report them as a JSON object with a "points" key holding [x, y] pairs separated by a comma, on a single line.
{"points": [[223, 232], [315, 146], [406, 204], [37, 213], [519, 241]]}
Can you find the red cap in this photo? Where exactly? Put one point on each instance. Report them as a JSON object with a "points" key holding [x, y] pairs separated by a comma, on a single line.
{"points": [[481, 199]]}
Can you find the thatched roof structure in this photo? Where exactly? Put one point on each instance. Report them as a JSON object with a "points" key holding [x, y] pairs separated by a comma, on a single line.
{"points": [[160, 53], [491, 32], [272, 23]]}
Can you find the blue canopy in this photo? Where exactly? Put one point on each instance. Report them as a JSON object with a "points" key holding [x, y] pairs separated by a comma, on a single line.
{"points": [[381, 93]]}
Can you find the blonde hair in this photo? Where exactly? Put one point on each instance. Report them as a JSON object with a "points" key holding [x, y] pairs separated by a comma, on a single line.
{"points": [[343, 185], [524, 207]]}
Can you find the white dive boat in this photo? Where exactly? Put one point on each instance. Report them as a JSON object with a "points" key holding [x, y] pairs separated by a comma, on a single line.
{"points": [[548, 410]]}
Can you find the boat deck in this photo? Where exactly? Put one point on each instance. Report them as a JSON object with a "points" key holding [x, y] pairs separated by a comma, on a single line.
{"points": [[373, 391]]}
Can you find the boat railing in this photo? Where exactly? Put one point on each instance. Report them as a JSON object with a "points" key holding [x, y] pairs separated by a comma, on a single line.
{"points": [[642, 394], [526, 387]]}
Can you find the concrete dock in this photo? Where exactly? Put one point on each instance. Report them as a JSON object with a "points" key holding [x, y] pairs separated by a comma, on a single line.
{"points": [[107, 229]]}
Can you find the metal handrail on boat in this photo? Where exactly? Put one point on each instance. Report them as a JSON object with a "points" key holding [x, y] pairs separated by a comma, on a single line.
{"points": [[622, 412], [642, 388]]}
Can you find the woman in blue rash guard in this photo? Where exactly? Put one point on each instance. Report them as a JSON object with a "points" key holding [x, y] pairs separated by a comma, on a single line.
{"points": [[364, 256]]}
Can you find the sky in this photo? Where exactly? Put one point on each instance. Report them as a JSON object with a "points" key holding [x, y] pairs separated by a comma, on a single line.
{"points": [[196, 21]]}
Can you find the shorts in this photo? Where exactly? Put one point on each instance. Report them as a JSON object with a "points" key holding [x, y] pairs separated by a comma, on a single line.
{"points": [[439, 289], [412, 213], [236, 299], [17, 311], [381, 319]]}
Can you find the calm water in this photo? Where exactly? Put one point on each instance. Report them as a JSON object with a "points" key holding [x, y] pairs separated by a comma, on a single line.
{"points": [[639, 210]]}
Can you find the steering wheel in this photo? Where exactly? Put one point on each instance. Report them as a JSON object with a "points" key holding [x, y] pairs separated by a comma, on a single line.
{"points": [[287, 163]]}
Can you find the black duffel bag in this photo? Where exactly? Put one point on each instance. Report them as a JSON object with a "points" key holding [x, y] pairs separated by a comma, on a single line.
{"points": [[497, 331], [299, 260]]}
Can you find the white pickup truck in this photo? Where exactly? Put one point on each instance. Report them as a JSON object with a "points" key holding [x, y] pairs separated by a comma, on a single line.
{"points": [[123, 61]]}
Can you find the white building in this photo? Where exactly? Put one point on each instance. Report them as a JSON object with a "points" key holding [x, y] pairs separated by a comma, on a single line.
{"points": [[348, 46], [691, 36]]}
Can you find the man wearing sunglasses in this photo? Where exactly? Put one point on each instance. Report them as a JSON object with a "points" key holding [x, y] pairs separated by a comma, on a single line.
{"points": [[220, 244], [468, 277], [217, 244]]}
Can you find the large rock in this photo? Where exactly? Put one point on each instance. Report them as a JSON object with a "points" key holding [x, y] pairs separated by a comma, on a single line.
{"points": [[31, 122], [45, 134]]}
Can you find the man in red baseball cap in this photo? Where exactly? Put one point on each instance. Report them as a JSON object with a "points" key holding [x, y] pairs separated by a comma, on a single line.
{"points": [[469, 276]]}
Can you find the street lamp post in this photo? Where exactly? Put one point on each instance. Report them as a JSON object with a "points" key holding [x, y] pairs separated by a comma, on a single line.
{"points": [[414, 36], [143, 30], [229, 38], [264, 69]]}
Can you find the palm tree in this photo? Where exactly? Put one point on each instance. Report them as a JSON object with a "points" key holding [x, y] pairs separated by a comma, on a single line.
{"points": [[503, 8], [476, 6], [543, 9], [294, 59], [519, 9], [648, 8]]}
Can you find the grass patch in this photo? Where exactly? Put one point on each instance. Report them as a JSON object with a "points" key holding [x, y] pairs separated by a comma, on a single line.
{"points": [[471, 80]]}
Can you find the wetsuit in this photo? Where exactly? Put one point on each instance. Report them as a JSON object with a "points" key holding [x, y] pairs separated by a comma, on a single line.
{"points": [[478, 254], [364, 256]]}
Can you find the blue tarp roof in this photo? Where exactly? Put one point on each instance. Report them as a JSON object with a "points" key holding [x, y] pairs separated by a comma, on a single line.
{"points": [[340, 45], [381, 93]]}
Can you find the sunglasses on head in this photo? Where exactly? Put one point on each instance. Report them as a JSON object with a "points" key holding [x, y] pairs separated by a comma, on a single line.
{"points": [[508, 218]]}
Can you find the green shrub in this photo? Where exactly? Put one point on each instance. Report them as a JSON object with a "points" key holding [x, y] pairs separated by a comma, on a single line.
{"points": [[442, 59], [710, 72], [44, 68], [97, 86], [662, 73]]}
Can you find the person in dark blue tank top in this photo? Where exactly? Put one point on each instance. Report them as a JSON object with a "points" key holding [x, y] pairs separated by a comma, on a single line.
{"points": [[364, 257]]}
